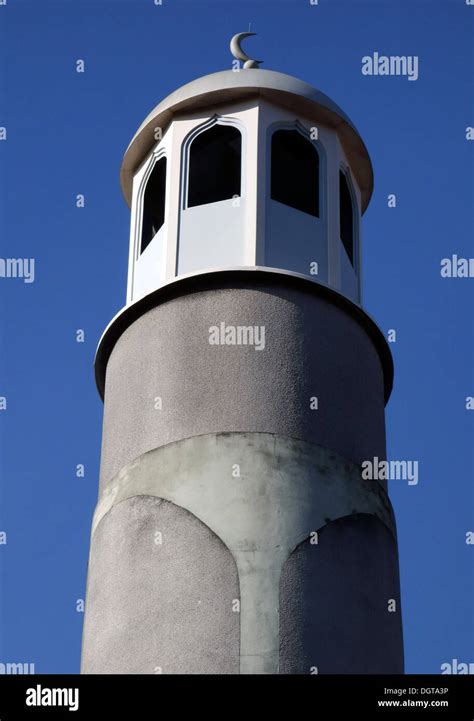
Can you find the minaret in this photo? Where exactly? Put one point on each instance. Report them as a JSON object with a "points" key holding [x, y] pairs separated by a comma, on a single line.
{"points": [[244, 385]]}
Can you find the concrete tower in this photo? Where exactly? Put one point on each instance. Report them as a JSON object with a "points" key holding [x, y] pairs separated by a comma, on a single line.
{"points": [[243, 387]]}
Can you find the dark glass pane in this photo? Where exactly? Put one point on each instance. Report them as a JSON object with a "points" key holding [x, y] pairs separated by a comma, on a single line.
{"points": [[215, 165], [295, 171], [154, 203], [346, 216]]}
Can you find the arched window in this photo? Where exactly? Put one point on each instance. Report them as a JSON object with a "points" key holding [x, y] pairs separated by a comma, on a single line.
{"points": [[295, 171], [215, 165], [154, 203], [346, 216]]}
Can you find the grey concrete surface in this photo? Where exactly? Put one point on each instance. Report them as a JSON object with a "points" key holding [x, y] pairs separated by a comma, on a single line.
{"points": [[313, 348], [334, 602], [159, 607]]}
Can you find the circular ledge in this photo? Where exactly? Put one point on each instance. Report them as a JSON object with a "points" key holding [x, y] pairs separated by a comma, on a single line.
{"points": [[222, 278]]}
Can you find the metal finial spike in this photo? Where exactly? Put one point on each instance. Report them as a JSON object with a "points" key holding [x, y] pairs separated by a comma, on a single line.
{"points": [[238, 53]]}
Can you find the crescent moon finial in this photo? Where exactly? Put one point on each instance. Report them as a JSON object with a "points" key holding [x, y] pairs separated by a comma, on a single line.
{"points": [[238, 53]]}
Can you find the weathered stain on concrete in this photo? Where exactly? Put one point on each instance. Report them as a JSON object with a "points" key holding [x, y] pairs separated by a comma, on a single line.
{"points": [[285, 489]]}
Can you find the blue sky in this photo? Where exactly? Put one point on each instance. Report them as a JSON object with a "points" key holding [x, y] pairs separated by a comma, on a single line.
{"points": [[66, 134]]}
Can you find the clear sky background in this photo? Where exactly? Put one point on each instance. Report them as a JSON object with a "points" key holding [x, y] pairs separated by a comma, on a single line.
{"points": [[66, 134]]}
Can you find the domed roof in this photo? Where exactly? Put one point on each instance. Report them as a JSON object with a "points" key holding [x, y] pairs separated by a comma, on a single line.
{"points": [[230, 85]]}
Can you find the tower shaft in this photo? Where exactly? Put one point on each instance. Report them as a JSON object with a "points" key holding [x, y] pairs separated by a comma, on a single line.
{"points": [[233, 532]]}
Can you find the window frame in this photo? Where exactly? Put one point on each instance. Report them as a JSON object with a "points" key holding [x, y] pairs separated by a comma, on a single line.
{"points": [[346, 172], [185, 157], [157, 155], [157, 160], [306, 133]]}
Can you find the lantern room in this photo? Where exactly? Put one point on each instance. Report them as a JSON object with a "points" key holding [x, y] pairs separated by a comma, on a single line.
{"points": [[246, 168]]}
